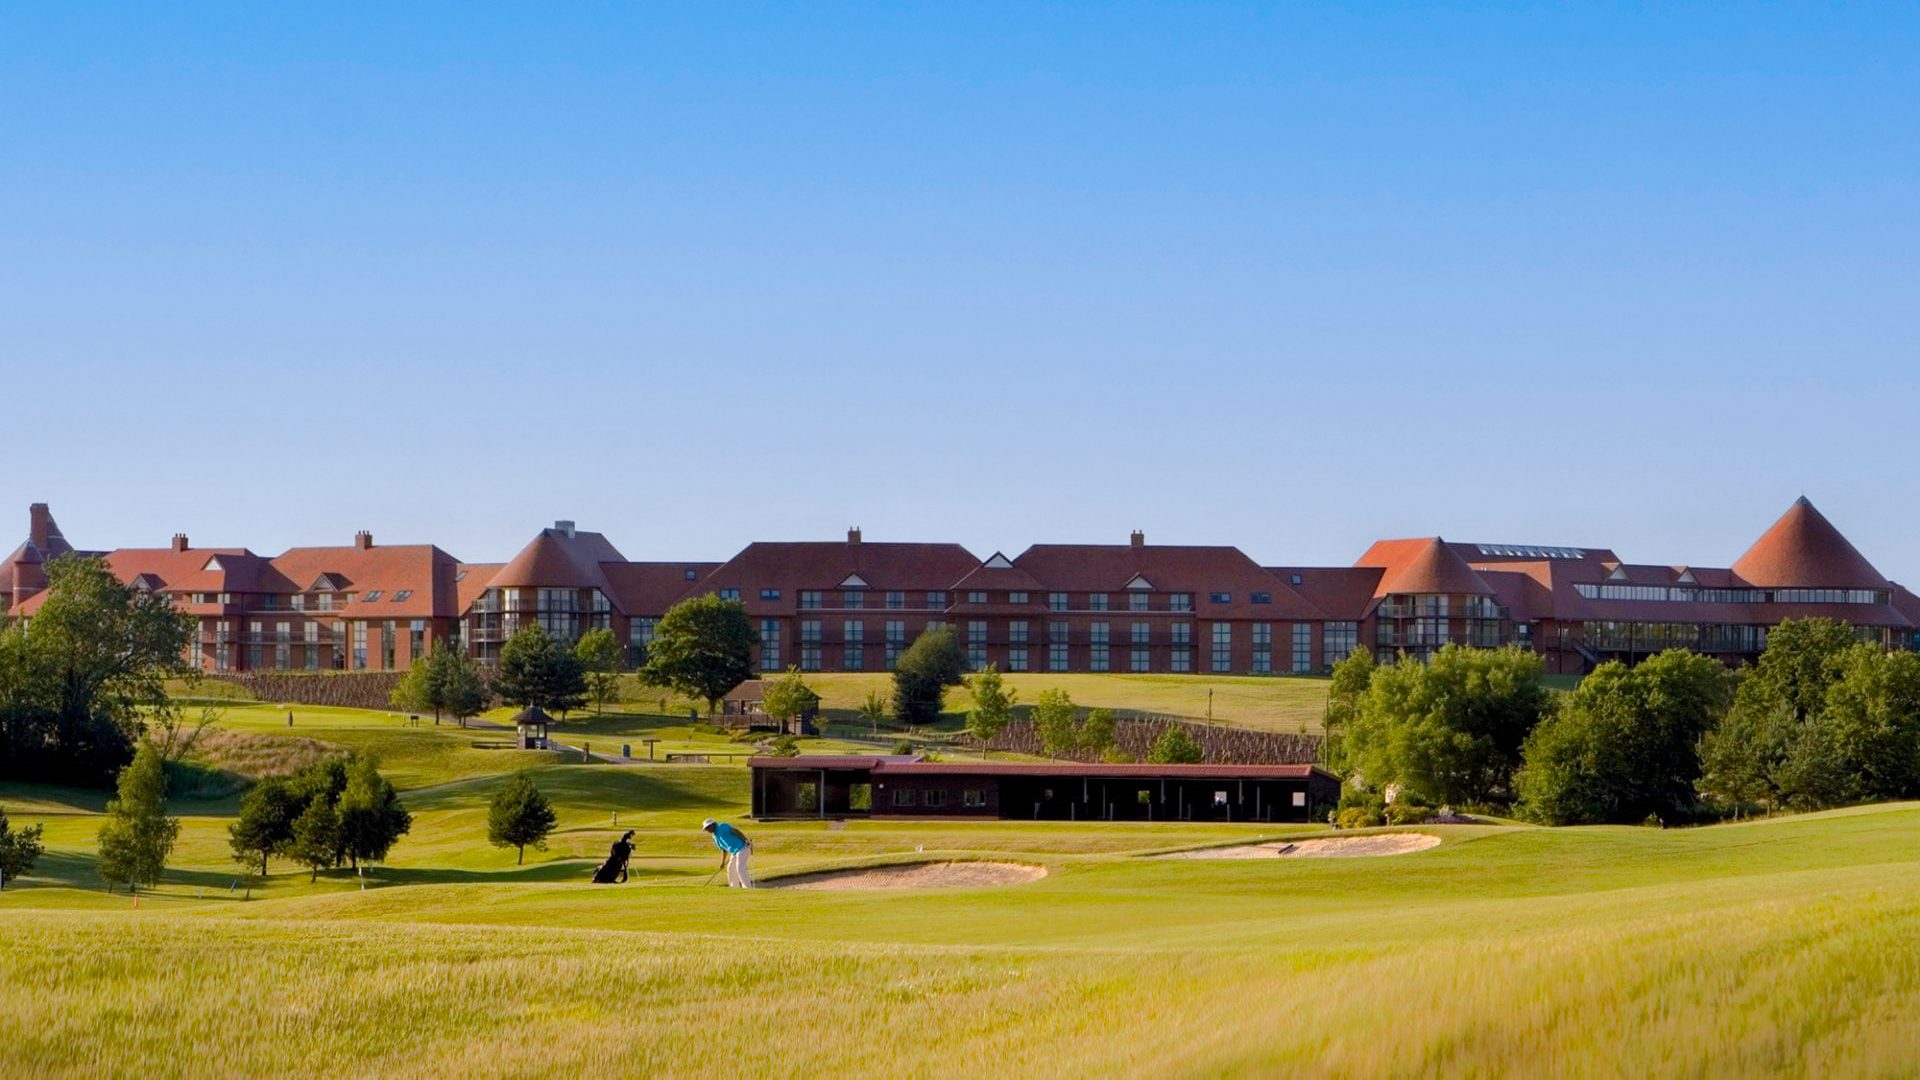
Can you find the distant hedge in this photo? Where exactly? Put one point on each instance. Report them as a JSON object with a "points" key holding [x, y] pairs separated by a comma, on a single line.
{"points": [[347, 689], [1222, 745]]}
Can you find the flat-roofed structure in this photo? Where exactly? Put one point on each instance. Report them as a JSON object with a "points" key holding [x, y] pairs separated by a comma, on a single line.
{"points": [[840, 786]]}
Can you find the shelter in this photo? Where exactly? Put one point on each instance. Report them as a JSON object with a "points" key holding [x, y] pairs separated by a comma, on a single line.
{"points": [[530, 728], [831, 786]]}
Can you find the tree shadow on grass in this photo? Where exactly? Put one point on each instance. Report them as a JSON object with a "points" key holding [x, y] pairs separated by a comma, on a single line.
{"points": [[568, 785]]}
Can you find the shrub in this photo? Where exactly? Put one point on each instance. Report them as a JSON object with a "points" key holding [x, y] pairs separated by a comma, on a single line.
{"points": [[902, 747], [1405, 812], [1359, 817]]}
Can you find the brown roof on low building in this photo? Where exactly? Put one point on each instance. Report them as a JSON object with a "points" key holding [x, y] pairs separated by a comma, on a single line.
{"points": [[1803, 550]]}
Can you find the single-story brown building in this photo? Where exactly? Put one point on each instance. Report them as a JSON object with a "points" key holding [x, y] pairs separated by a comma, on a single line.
{"points": [[744, 707], [895, 786]]}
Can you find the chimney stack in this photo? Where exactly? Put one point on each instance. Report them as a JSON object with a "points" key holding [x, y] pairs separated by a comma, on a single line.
{"points": [[853, 535], [363, 539], [564, 528], [179, 541], [39, 525], [1139, 539]]}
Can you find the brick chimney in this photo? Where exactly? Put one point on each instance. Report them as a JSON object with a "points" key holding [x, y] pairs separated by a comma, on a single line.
{"points": [[39, 525], [853, 535], [1139, 539], [363, 539], [180, 541]]}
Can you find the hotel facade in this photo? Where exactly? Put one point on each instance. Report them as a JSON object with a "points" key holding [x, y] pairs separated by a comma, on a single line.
{"points": [[854, 605]]}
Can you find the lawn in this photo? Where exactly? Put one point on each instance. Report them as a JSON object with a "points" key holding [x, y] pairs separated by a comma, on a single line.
{"points": [[1782, 947]]}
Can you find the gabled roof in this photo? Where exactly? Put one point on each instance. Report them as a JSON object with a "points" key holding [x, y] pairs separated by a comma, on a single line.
{"points": [[793, 566], [1341, 592], [998, 574], [650, 588], [412, 580], [1168, 568], [1424, 565], [1803, 550]]}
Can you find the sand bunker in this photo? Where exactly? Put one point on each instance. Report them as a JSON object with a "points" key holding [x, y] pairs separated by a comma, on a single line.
{"points": [[1333, 847], [926, 875]]}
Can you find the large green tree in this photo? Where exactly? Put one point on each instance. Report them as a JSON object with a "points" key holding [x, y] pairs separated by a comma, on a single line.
{"points": [[1352, 675], [19, 849], [992, 706], [702, 648], [1053, 717], [537, 671], [922, 674], [264, 827], [137, 836], [371, 817], [789, 696], [1625, 744], [445, 683], [1772, 747], [600, 657], [80, 680], [1450, 730], [520, 815]]}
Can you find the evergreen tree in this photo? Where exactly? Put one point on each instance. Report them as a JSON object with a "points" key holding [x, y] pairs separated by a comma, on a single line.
{"points": [[520, 815], [464, 692], [702, 648], [19, 850], [992, 706], [536, 671], [137, 836]]}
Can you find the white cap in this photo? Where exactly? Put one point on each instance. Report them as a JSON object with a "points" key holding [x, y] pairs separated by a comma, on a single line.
{"points": [[707, 824]]}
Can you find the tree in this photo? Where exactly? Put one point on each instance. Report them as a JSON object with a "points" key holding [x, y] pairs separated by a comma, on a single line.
{"points": [[1872, 721], [19, 850], [874, 709], [600, 656], [265, 825], [1448, 731], [463, 690], [702, 648], [922, 674], [1175, 747], [1053, 715], [520, 815], [1351, 677], [1096, 733], [371, 817], [1625, 744], [536, 671], [992, 706], [1776, 745], [317, 842], [789, 696], [80, 680], [137, 836]]}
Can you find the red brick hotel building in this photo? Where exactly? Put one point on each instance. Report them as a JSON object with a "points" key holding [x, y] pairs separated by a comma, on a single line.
{"points": [[853, 605]]}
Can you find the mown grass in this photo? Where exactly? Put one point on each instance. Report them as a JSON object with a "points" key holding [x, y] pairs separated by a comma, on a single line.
{"points": [[1782, 947]]}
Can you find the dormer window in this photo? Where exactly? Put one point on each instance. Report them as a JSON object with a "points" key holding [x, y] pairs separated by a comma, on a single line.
{"points": [[402, 595], [372, 595]]}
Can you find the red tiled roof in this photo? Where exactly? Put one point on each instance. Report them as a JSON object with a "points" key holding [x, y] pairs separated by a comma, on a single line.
{"points": [[831, 761], [1340, 592], [555, 560], [824, 565], [1201, 571], [422, 571], [1422, 566], [1008, 578], [470, 580], [650, 588], [1803, 550]]}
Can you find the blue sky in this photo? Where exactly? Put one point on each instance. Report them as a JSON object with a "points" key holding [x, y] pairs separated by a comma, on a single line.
{"points": [[1290, 277]]}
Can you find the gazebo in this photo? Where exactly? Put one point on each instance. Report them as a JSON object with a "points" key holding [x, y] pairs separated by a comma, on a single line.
{"points": [[530, 728]]}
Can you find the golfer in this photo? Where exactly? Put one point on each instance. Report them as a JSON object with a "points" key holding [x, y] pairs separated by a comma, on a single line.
{"points": [[734, 849]]}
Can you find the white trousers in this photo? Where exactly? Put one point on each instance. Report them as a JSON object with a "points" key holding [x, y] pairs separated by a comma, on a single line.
{"points": [[738, 876]]}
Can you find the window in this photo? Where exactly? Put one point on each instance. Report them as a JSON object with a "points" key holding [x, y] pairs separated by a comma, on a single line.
{"points": [[769, 594], [1142, 659], [896, 601], [1262, 648], [1180, 601], [640, 638], [1220, 598], [1299, 798], [854, 633], [417, 640], [1182, 633], [1137, 601], [973, 797], [933, 798], [936, 600], [1294, 580], [1056, 601], [360, 645], [1097, 659], [853, 598], [1016, 659], [896, 640], [729, 594], [402, 595], [691, 573], [902, 796], [811, 598], [806, 795], [977, 644], [1017, 632], [1260, 597], [1057, 632], [1141, 632], [1096, 601], [1181, 660], [810, 631], [977, 596], [1337, 639], [769, 643], [809, 657], [387, 629], [370, 597], [1016, 598], [1056, 657], [282, 650], [1222, 646], [1302, 647]]}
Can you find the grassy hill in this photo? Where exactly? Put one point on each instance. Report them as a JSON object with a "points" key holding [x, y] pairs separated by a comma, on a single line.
{"points": [[1783, 947]]}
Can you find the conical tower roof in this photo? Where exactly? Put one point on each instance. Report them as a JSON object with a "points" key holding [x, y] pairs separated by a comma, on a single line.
{"points": [[1804, 551], [1433, 567]]}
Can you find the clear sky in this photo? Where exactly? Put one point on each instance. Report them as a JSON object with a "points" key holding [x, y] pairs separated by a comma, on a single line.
{"points": [[1289, 277]]}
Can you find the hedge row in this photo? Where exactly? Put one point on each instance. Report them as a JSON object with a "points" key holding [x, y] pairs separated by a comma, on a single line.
{"points": [[1222, 745]]}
